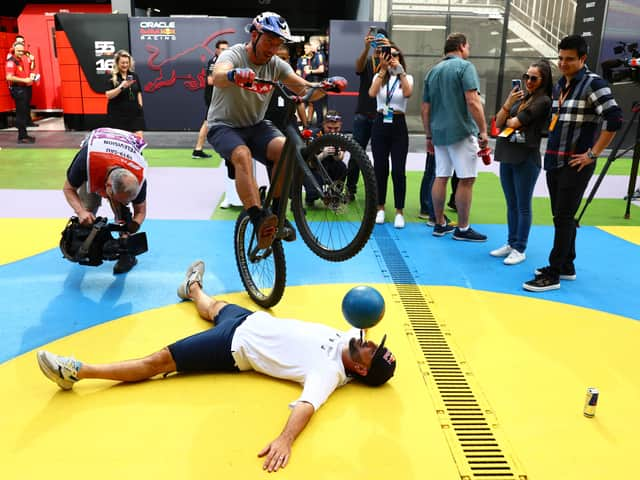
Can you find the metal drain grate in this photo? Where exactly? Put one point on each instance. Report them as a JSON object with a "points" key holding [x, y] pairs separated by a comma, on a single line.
{"points": [[467, 421]]}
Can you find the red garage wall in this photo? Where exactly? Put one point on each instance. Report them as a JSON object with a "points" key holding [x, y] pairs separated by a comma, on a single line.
{"points": [[36, 23]]}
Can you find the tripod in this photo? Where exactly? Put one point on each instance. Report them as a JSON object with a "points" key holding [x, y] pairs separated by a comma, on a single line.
{"points": [[635, 109]]}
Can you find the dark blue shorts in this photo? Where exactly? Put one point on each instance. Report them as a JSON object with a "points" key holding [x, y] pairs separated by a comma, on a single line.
{"points": [[225, 139], [210, 351]]}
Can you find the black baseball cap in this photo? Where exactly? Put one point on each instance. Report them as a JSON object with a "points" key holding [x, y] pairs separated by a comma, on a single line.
{"points": [[383, 366]]}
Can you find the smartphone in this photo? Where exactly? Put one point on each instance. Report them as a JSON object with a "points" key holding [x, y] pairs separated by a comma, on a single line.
{"points": [[385, 50], [516, 83], [372, 30], [129, 77]]}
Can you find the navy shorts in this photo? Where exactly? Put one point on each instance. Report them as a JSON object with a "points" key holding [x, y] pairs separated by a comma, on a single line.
{"points": [[225, 139], [210, 351]]}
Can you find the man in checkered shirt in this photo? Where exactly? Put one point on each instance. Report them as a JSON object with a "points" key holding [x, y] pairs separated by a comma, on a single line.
{"points": [[585, 118]]}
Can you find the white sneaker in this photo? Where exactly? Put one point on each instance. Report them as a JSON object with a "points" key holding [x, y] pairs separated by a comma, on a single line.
{"points": [[514, 257], [195, 272], [399, 221], [503, 251], [225, 204], [62, 370], [380, 217]]}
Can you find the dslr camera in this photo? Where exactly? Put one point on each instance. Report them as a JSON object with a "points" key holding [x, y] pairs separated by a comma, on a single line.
{"points": [[91, 245], [617, 70]]}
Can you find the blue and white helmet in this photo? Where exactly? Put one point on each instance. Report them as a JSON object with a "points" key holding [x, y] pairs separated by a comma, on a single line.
{"points": [[272, 23]]}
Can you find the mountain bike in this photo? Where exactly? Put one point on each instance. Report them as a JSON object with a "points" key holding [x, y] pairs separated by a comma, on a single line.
{"points": [[335, 226]]}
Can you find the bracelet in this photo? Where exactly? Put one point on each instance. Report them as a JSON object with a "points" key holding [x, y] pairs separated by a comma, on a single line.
{"points": [[380, 76]]}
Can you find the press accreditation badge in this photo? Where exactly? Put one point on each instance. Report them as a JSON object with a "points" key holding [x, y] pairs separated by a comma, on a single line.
{"points": [[387, 114]]}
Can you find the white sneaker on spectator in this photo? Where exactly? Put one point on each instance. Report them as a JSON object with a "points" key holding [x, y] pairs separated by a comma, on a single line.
{"points": [[503, 251], [399, 221], [514, 257], [380, 217]]}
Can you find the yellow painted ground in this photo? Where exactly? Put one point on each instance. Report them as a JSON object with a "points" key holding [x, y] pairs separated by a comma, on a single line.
{"points": [[630, 234], [212, 426], [42, 234], [534, 360]]}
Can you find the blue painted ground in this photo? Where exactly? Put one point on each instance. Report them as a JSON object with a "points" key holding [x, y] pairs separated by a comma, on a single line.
{"points": [[46, 297]]}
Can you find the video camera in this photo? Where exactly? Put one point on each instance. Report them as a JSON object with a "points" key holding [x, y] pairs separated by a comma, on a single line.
{"points": [[617, 70], [90, 245]]}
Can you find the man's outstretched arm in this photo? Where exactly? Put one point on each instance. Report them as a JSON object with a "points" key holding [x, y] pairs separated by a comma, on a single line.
{"points": [[278, 452]]}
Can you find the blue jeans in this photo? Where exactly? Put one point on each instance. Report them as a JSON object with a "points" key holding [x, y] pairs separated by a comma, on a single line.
{"points": [[426, 205], [518, 180], [362, 125]]}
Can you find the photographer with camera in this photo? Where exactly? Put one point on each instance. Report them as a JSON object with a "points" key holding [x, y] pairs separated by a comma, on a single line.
{"points": [[332, 160], [585, 118], [109, 165]]}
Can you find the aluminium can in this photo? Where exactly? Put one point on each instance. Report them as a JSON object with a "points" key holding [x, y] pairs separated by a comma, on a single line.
{"points": [[591, 402]]}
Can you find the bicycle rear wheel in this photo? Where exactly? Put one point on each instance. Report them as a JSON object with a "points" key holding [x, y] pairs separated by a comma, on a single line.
{"points": [[334, 226], [263, 272]]}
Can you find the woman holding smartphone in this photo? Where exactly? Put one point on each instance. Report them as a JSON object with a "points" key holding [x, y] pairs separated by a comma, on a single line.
{"points": [[525, 115], [391, 87], [124, 95]]}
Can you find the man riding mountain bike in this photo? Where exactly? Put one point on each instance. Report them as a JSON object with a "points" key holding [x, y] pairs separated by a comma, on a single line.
{"points": [[237, 128]]}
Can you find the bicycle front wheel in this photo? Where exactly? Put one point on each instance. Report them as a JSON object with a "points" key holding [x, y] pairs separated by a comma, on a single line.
{"points": [[334, 224], [263, 272]]}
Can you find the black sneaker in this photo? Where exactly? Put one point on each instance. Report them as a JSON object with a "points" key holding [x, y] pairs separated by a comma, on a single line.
{"points": [[565, 273], [27, 139], [442, 230], [125, 263], [469, 235], [542, 283], [199, 154], [288, 233]]}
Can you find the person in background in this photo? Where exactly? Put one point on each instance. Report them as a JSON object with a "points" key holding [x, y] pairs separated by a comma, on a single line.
{"points": [[331, 159], [18, 76], [281, 110], [318, 70], [366, 67], [198, 151], [525, 114], [30, 61], [585, 118], [455, 129], [391, 87], [124, 95]]}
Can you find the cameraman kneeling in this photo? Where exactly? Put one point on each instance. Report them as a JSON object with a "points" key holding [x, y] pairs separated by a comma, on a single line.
{"points": [[109, 165]]}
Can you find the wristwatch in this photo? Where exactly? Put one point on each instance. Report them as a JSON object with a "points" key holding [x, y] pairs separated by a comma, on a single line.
{"points": [[591, 155]]}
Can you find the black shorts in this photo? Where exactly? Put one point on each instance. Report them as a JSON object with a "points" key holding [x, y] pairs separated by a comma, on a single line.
{"points": [[225, 139], [210, 351]]}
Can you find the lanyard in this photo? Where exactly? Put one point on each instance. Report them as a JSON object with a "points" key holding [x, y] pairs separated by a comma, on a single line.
{"points": [[393, 89], [564, 93]]}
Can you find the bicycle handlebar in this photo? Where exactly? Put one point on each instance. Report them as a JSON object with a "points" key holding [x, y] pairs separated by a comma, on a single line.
{"points": [[332, 84]]}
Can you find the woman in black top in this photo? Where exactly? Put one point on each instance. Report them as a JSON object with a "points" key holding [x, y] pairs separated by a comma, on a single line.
{"points": [[525, 114], [124, 94]]}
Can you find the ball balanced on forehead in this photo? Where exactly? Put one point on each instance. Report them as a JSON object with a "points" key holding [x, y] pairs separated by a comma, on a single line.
{"points": [[363, 306]]}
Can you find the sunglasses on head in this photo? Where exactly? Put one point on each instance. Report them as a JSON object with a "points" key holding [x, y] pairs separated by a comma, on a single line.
{"points": [[395, 54], [533, 78], [333, 118]]}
